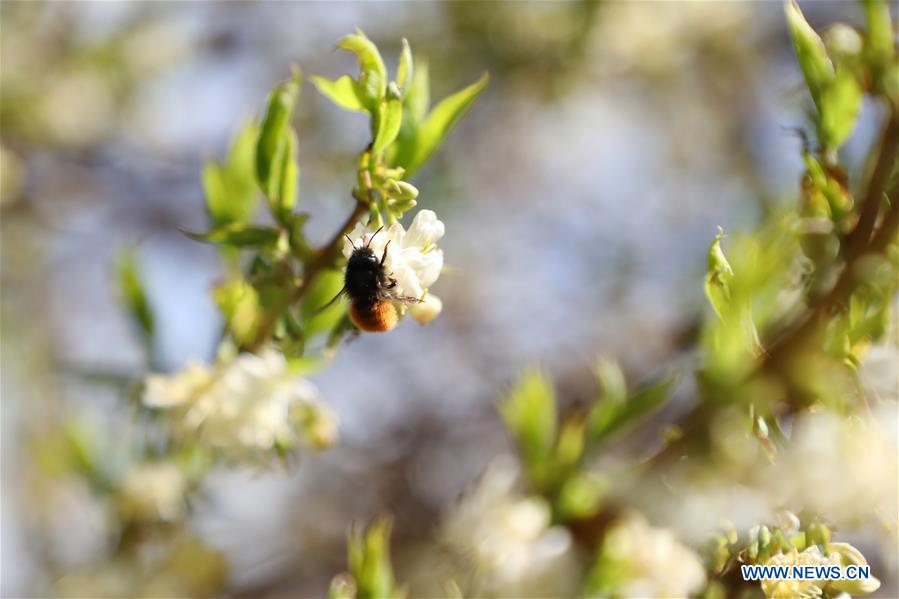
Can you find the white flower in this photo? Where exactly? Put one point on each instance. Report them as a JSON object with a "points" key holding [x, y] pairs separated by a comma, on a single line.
{"points": [[843, 468], [413, 257], [648, 561], [507, 537], [153, 491], [251, 402]]}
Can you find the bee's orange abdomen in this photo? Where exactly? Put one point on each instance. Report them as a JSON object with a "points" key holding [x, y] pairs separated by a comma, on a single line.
{"points": [[375, 318]]}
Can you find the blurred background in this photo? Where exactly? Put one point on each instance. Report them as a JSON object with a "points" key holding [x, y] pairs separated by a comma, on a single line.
{"points": [[580, 196]]}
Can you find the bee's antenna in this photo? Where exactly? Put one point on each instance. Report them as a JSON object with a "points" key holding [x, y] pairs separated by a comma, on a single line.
{"points": [[373, 236], [331, 303], [352, 243]]}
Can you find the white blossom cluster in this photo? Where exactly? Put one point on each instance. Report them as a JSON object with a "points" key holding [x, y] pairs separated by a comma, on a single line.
{"points": [[651, 562], [507, 538], [248, 403]]}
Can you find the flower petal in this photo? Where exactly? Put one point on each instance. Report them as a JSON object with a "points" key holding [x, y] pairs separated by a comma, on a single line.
{"points": [[426, 229], [356, 235], [427, 266], [407, 282]]}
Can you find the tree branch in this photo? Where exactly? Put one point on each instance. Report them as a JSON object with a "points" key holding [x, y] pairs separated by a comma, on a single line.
{"points": [[859, 243]]}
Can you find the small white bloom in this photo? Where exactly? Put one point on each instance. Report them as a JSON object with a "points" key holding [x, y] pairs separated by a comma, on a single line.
{"points": [[427, 310], [413, 257], [843, 468], [651, 562], [153, 491], [250, 402], [161, 391], [508, 537]]}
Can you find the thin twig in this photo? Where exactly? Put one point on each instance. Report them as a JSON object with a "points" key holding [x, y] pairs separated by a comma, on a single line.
{"points": [[325, 256]]}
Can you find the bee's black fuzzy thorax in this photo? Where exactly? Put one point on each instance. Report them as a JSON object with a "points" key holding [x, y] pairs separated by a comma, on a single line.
{"points": [[365, 276]]}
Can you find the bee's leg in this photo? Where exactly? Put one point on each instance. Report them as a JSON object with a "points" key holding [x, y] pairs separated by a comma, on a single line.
{"points": [[353, 335], [384, 255], [391, 283]]}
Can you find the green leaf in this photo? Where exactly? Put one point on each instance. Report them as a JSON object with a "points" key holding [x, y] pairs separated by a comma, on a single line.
{"points": [[529, 412], [611, 379], [841, 102], [879, 41], [719, 277], [343, 91], [369, 559], [418, 96], [299, 245], [607, 418], [241, 172], [810, 52], [416, 100], [288, 334], [316, 315], [343, 327], [570, 445], [217, 201], [389, 121], [433, 131], [372, 83], [612, 400], [581, 496], [132, 292], [230, 188], [282, 204], [239, 303], [404, 70], [274, 135], [238, 235], [306, 365]]}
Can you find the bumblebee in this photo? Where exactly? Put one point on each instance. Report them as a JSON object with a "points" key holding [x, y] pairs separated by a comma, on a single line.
{"points": [[371, 289]]}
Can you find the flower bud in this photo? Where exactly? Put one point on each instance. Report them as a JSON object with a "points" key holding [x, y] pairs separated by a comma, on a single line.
{"points": [[342, 587], [427, 310], [401, 190], [817, 534], [393, 173], [401, 206], [764, 536], [843, 41], [753, 545], [393, 91]]}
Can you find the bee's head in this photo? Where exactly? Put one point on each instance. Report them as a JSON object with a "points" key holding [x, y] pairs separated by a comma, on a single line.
{"points": [[362, 258]]}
